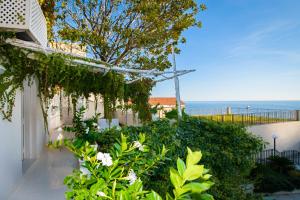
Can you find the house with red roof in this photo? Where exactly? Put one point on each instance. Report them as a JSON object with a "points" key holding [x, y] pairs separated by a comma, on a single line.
{"points": [[164, 104]]}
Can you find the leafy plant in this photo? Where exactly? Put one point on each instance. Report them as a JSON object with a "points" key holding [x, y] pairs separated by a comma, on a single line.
{"points": [[278, 174], [115, 175], [227, 150]]}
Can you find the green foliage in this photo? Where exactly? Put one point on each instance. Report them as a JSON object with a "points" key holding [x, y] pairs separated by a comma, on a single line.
{"points": [[278, 174], [281, 164], [222, 144], [131, 33], [116, 175], [227, 150], [54, 74], [173, 114]]}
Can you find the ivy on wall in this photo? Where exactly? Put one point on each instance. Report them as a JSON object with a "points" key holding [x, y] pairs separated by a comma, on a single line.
{"points": [[54, 73]]}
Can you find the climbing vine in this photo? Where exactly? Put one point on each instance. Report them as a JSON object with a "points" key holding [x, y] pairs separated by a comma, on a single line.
{"points": [[54, 74]]}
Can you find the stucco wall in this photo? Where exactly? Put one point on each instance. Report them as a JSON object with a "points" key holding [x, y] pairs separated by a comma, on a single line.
{"points": [[288, 135], [10, 151], [13, 139]]}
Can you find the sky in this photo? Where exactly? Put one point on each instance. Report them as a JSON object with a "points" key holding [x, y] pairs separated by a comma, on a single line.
{"points": [[246, 50]]}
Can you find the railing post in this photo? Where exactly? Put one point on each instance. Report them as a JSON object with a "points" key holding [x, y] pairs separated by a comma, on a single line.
{"points": [[297, 115], [228, 111]]}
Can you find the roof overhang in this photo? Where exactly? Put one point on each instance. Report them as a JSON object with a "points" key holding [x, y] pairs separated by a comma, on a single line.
{"points": [[25, 18]]}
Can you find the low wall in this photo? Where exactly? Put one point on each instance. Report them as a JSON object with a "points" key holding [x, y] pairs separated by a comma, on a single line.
{"points": [[288, 135]]}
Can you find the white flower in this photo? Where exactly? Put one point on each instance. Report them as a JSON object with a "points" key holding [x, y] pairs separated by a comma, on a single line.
{"points": [[95, 146], [131, 177], [137, 144], [98, 128], [85, 171], [105, 158], [100, 156], [60, 137], [101, 194], [95, 124], [87, 130]]}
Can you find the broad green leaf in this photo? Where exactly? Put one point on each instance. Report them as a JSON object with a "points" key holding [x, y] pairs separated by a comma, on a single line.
{"points": [[193, 172], [176, 178], [142, 138], [181, 191], [153, 196], [180, 166], [198, 187], [124, 195], [206, 177], [206, 197], [123, 142], [169, 197], [193, 157]]}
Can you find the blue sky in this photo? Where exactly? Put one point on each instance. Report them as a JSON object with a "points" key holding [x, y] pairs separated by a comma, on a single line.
{"points": [[246, 50]]}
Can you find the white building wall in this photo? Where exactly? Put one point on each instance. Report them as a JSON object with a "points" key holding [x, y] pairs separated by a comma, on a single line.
{"points": [[21, 139], [10, 151], [288, 135]]}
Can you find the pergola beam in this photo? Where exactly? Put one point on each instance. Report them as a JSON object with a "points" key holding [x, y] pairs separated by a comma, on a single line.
{"points": [[98, 64]]}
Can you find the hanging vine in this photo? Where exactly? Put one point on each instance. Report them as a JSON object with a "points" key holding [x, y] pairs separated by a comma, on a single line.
{"points": [[54, 73]]}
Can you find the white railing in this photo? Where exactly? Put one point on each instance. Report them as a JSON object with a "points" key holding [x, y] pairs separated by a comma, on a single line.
{"points": [[24, 16]]}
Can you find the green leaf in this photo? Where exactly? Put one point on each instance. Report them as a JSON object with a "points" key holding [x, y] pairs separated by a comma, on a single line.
{"points": [[169, 197], [193, 157], [206, 177], [142, 138], [123, 142], [180, 166], [164, 151], [176, 179], [206, 197], [198, 187], [153, 196], [193, 172]]}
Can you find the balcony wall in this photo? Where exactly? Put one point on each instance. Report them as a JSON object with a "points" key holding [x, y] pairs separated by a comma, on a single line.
{"points": [[288, 135]]}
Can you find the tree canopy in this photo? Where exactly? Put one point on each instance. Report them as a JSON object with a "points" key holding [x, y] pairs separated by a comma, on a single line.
{"points": [[128, 33]]}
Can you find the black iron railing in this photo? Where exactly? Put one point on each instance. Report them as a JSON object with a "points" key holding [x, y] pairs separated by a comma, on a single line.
{"points": [[254, 118], [292, 155]]}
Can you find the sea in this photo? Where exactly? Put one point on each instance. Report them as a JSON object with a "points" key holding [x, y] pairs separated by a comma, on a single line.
{"points": [[221, 107]]}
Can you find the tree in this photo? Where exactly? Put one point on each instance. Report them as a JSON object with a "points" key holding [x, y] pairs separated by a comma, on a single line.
{"points": [[132, 33], [48, 10]]}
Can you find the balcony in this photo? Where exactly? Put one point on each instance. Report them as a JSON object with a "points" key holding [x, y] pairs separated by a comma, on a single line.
{"points": [[25, 18]]}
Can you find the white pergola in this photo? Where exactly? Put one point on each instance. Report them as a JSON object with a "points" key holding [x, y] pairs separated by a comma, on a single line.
{"points": [[98, 65], [26, 18]]}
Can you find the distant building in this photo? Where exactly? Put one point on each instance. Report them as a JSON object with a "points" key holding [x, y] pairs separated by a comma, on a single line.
{"points": [[73, 48], [164, 104]]}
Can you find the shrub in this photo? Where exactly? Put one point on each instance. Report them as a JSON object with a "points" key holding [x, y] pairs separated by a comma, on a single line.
{"points": [[115, 175], [227, 150], [277, 175]]}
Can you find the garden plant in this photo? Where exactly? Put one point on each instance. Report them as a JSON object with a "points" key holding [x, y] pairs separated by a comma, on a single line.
{"points": [[226, 149], [118, 174]]}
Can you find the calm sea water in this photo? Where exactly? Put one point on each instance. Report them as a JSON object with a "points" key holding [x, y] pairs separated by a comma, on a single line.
{"points": [[218, 107]]}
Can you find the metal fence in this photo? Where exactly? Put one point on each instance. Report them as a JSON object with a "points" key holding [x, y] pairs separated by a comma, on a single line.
{"points": [[292, 155], [254, 118]]}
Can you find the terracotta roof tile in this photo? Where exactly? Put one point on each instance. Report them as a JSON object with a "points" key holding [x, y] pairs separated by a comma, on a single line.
{"points": [[163, 101]]}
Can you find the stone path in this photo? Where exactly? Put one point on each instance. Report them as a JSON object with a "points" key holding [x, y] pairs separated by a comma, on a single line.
{"points": [[44, 179]]}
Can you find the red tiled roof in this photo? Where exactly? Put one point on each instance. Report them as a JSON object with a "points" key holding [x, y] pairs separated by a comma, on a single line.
{"points": [[163, 101]]}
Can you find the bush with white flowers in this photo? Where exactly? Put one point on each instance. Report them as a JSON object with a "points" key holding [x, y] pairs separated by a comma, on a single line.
{"points": [[117, 174]]}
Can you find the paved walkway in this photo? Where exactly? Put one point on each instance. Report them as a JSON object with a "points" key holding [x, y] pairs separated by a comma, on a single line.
{"points": [[44, 179]]}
